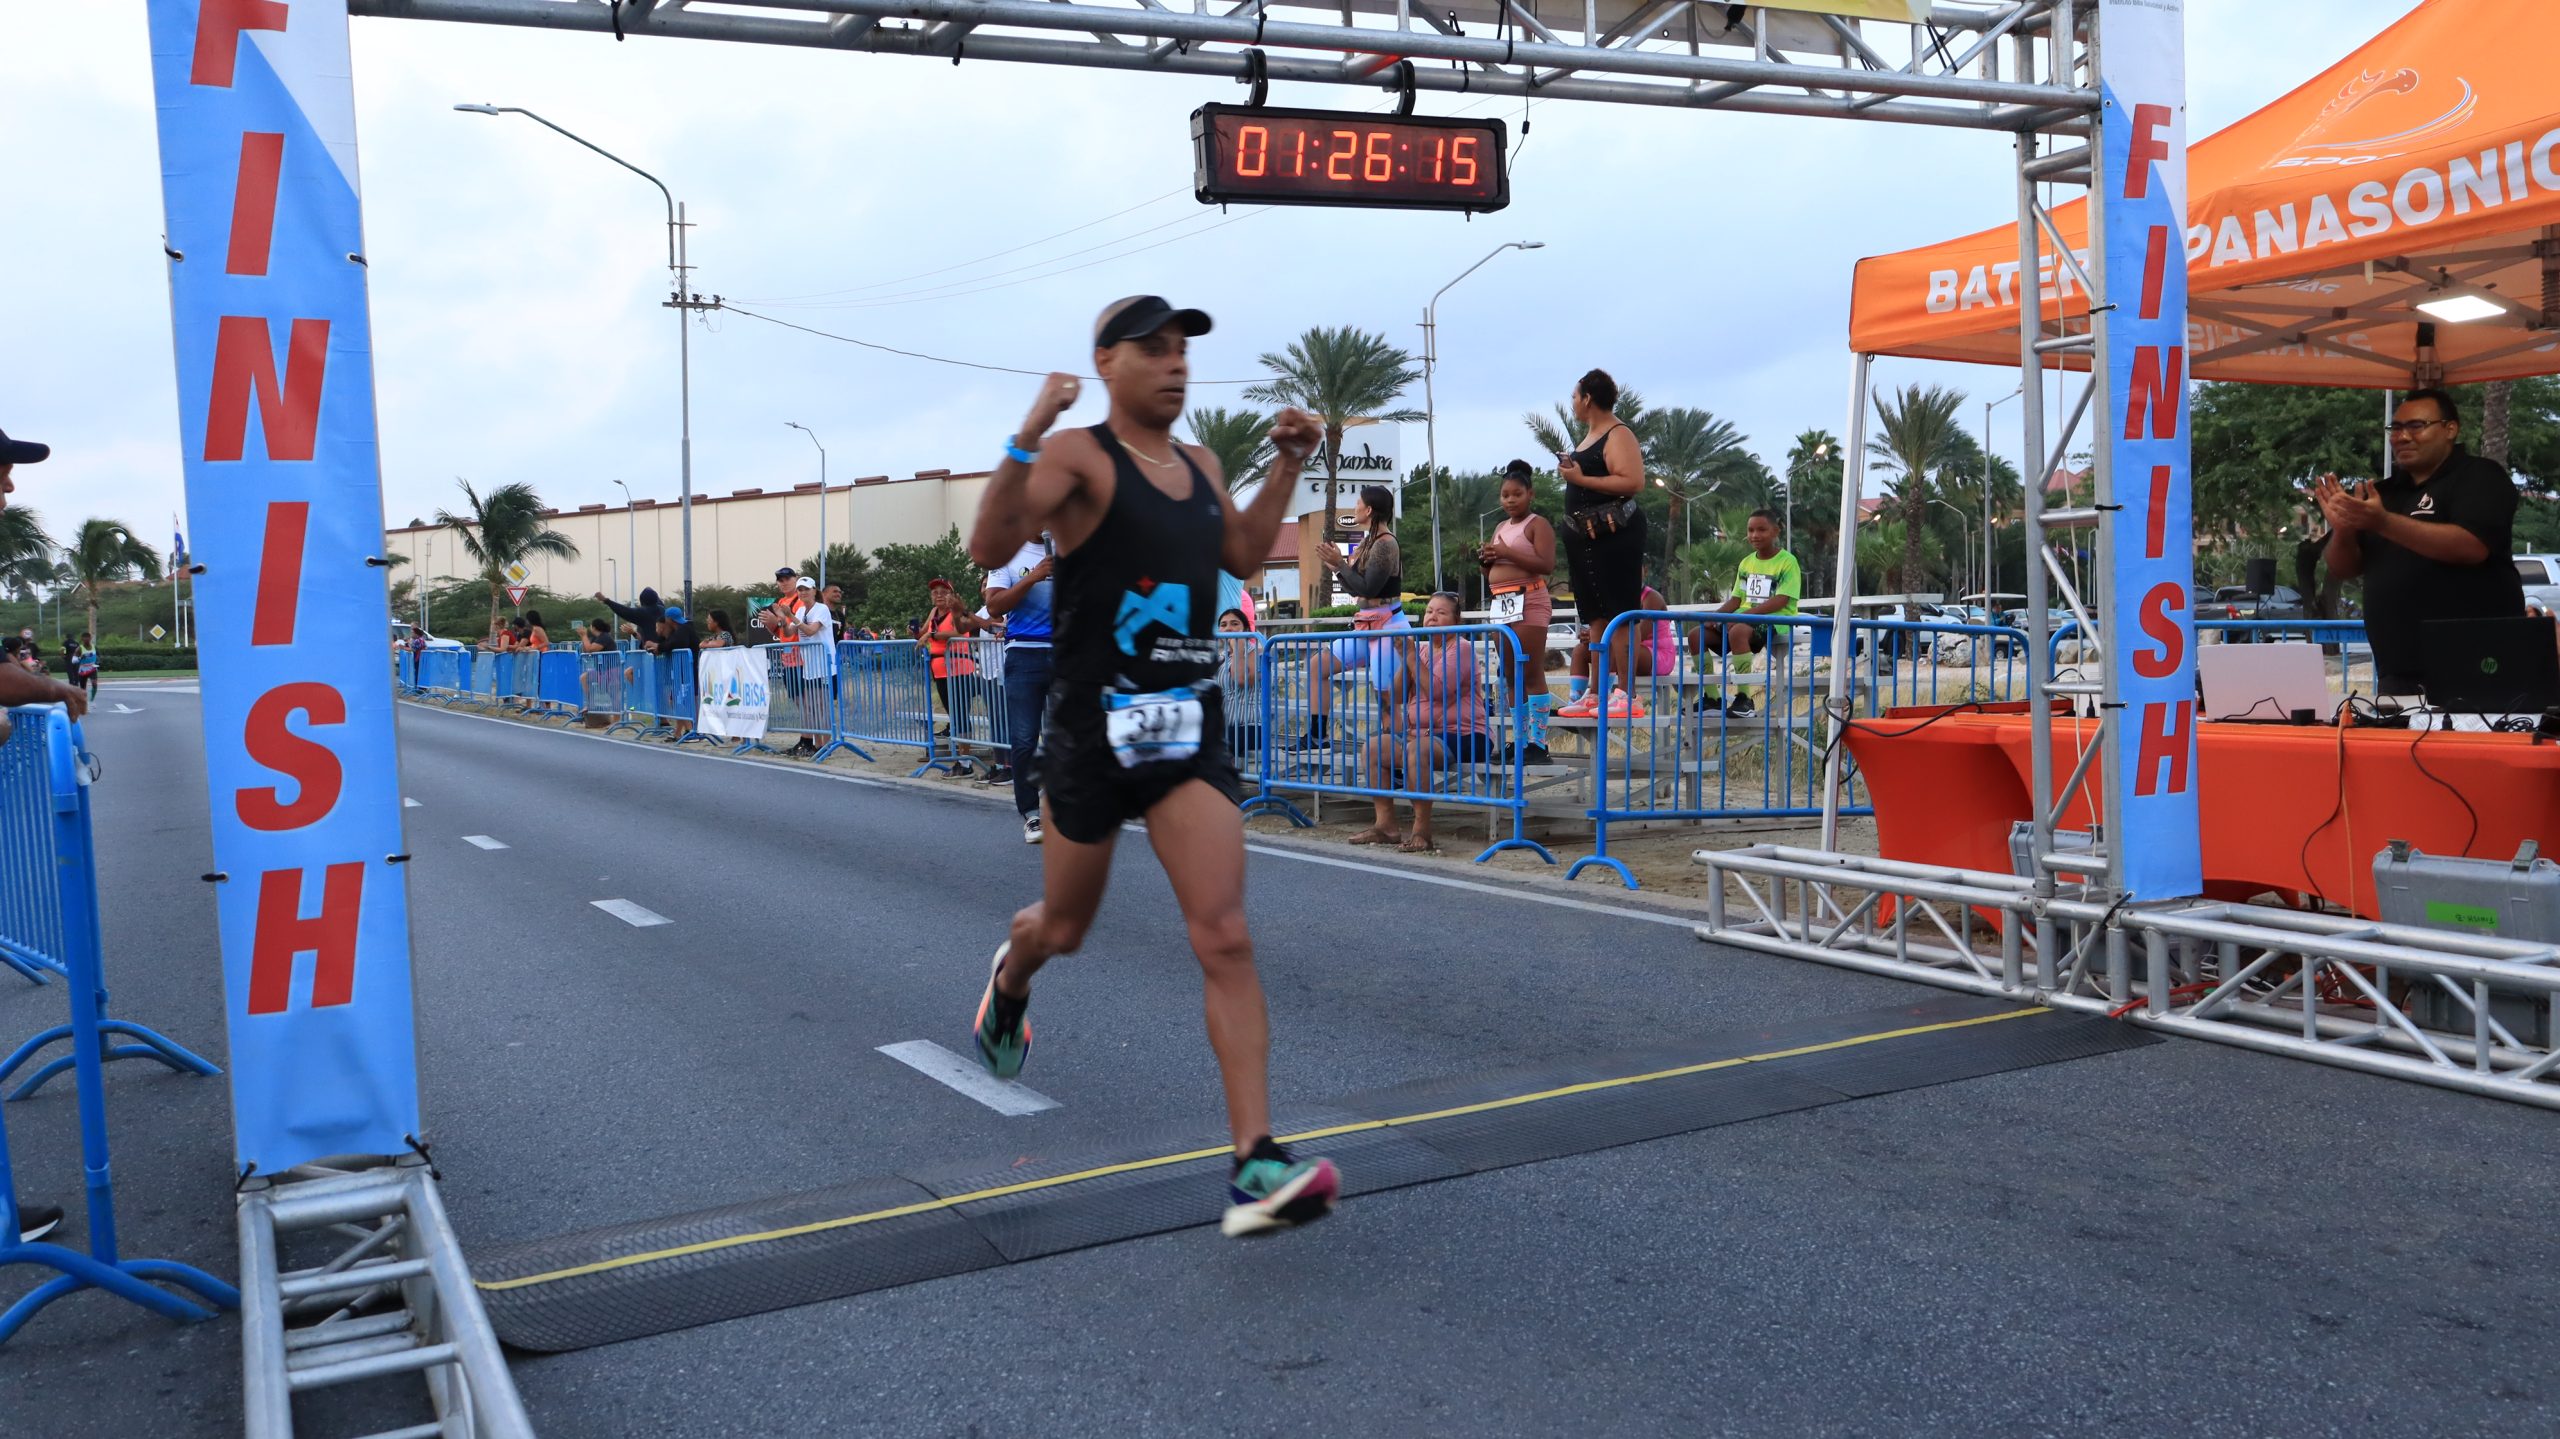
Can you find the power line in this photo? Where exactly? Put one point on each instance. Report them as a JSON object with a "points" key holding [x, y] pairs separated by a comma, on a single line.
{"points": [[966, 264], [732, 308], [1071, 269], [928, 292]]}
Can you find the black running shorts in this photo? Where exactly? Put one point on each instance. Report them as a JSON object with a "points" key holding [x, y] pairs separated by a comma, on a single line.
{"points": [[1090, 794]]}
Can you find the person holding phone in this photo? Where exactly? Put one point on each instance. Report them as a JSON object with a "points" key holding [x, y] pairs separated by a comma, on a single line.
{"points": [[1516, 564], [1604, 532]]}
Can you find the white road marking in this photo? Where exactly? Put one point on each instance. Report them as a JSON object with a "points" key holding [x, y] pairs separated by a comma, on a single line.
{"points": [[125, 709], [483, 841], [1531, 896], [935, 1062], [629, 913], [1559, 901], [408, 803]]}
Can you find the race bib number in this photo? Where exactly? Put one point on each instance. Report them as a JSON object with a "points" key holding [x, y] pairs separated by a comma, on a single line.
{"points": [[1152, 728], [1759, 587], [1508, 609]]}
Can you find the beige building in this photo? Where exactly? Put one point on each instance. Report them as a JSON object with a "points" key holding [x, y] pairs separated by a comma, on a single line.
{"points": [[739, 538]]}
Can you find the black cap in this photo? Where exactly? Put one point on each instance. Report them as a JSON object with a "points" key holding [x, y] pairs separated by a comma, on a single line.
{"points": [[1142, 315], [785, 573], [27, 452]]}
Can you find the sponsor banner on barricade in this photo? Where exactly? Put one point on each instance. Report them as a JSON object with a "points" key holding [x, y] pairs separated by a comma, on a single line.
{"points": [[266, 253], [735, 695], [2140, 190]]}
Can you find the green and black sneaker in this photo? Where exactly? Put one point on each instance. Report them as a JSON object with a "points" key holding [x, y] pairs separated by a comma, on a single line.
{"points": [[1269, 1190], [1003, 1034]]}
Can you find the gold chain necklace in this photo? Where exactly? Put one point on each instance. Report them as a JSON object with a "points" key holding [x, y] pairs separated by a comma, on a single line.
{"points": [[1141, 454]]}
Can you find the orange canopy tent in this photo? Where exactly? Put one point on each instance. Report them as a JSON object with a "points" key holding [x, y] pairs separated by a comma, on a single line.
{"points": [[2424, 168]]}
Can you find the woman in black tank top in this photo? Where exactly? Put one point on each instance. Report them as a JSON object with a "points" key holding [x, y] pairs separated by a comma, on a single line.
{"points": [[1604, 528], [1138, 600]]}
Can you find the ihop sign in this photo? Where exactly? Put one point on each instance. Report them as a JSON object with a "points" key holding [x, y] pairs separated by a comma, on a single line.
{"points": [[284, 500]]}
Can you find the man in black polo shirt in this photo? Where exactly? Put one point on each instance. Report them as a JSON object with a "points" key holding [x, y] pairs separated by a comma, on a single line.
{"points": [[2432, 541]]}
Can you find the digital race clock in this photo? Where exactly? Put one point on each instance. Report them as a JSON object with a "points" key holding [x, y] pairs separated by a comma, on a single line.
{"points": [[1326, 157]]}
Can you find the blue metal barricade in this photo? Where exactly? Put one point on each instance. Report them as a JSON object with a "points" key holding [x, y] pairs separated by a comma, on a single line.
{"points": [[558, 682], [1924, 662], [49, 885], [444, 674], [971, 696], [887, 690], [1709, 727], [481, 679], [601, 687], [1240, 664], [800, 682], [404, 670], [1417, 715]]}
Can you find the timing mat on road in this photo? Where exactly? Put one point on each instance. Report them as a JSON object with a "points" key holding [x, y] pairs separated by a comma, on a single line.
{"points": [[623, 1281]]}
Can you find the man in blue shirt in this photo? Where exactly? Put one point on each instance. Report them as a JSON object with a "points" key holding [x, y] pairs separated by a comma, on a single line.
{"points": [[1018, 594]]}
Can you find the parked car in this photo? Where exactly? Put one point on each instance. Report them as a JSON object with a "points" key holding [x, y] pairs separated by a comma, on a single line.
{"points": [[401, 630], [2541, 576]]}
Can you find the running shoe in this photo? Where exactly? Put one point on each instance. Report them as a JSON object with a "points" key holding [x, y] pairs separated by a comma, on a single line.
{"points": [[1269, 1190], [35, 1221], [1625, 706], [1536, 754], [1740, 704], [1583, 708], [1003, 1034], [1031, 832]]}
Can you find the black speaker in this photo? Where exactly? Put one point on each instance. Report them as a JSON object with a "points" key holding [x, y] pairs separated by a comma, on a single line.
{"points": [[2261, 577]]}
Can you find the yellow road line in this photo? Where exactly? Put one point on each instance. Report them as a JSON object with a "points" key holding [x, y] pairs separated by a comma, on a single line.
{"points": [[1055, 1181]]}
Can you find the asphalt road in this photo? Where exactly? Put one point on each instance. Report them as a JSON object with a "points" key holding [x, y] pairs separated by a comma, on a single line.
{"points": [[2181, 1237]]}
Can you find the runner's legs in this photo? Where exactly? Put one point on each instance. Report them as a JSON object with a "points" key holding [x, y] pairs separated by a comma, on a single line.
{"points": [[1198, 835], [1072, 879]]}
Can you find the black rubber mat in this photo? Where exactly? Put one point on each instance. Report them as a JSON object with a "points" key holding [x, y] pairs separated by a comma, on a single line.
{"points": [[628, 1280], [585, 1288]]}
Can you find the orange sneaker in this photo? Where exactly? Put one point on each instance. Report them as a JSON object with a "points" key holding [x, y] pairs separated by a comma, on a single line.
{"points": [[1625, 706], [1583, 708]]}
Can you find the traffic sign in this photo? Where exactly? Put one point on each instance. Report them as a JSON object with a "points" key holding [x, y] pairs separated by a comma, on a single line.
{"points": [[158, 633], [517, 574], [515, 594]]}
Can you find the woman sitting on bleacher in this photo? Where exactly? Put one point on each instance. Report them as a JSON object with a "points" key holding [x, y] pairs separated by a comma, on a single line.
{"points": [[1437, 718]]}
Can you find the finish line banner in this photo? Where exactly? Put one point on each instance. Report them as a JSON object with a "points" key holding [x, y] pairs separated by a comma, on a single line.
{"points": [[284, 501], [2150, 620], [735, 693]]}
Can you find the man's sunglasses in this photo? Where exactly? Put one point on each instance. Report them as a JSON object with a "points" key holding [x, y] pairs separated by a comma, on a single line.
{"points": [[2411, 427]]}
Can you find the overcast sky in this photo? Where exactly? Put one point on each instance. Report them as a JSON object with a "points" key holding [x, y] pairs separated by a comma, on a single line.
{"points": [[1702, 258]]}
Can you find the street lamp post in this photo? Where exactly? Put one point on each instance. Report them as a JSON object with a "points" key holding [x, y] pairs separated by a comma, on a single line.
{"points": [[1688, 508], [631, 536], [1990, 575], [1430, 413], [822, 502], [1964, 542], [682, 303]]}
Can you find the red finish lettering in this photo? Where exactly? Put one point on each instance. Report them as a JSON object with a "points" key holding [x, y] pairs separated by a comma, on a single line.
{"points": [[244, 361], [218, 27], [2159, 375], [282, 933], [280, 573], [2148, 122], [2155, 270], [253, 203], [2155, 532], [2157, 614], [312, 766], [2165, 741]]}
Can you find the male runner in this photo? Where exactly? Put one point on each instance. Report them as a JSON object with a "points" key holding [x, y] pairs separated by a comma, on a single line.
{"points": [[1135, 727]]}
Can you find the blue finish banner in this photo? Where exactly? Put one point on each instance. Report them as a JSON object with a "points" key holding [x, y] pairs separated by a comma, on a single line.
{"points": [[2150, 620], [284, 503]]}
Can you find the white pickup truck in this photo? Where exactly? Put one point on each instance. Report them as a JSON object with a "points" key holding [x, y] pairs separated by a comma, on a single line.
{"points": [[2541, 574]]}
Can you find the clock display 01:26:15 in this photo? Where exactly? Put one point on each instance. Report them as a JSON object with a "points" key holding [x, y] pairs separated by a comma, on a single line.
{"points": [[1271, 156], [1374, 157]]}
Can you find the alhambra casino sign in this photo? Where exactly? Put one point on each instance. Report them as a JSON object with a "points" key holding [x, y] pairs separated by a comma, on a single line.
{"points": [[284, 499]]}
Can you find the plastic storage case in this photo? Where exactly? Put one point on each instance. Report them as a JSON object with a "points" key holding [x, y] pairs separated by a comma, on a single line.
{"points": [[2517, 899]]}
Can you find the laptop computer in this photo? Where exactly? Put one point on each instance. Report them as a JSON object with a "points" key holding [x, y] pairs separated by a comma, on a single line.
{"points": [[2501, 666], [2263, 683]]}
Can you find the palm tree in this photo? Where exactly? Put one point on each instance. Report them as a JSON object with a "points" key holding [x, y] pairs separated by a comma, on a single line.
{"points": [[1686, 449], [503, 527], [1916, 440], [1338, 375], [26, 551], [1562, 433], [104, 552], [1815, 470], [1239, 438]]}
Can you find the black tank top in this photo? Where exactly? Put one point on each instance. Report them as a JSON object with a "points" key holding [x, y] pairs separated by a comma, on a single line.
{"points": [[1594, 461], [1138, 600]]}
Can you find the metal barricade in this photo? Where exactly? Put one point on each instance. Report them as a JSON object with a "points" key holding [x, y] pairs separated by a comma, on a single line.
{"points": [[601, 685], [1246, 703], [404, 670], [1923, 662], [971, 695], [886, 695], [1417, 715], [49, 901], [557, 688], [1708, 728], [800, 678], [444, 675], [481, 679]]}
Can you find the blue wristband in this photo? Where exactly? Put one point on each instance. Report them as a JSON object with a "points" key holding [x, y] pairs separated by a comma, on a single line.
{"points": [[1017, 452]]}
